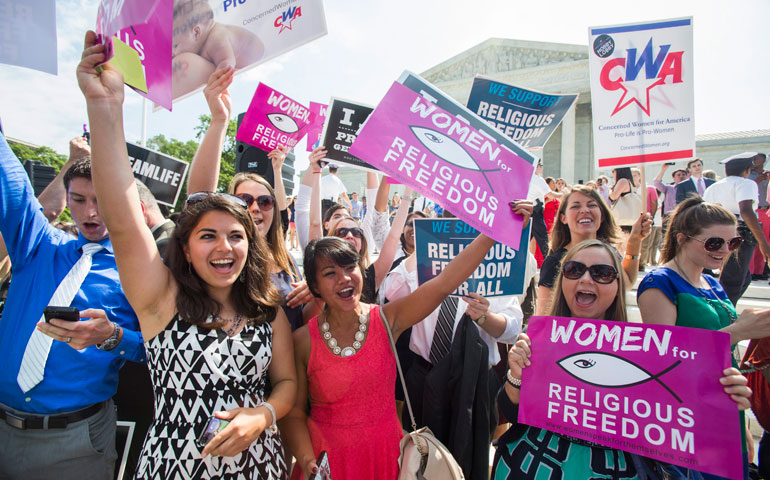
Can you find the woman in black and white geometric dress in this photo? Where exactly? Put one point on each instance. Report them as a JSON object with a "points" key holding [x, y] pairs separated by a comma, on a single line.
{"points": [[211, 318]]}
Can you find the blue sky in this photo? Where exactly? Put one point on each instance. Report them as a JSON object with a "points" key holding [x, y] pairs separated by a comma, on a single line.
{"points": [[371, 42]]}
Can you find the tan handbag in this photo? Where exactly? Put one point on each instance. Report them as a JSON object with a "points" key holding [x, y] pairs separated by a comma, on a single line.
{"points": [[627, 209], [422, 455]]}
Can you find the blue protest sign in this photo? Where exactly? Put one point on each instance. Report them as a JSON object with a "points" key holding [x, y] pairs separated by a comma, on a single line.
{"points": [[526, 116], [439, 240]]}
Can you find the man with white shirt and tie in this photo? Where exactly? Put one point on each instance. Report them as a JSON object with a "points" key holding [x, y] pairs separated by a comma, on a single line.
{"points": [[697, 183], [57, 378]]}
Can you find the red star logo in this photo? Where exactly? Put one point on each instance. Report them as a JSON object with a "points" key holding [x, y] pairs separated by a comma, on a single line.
{"points": [[635, 91], [285, 26]]}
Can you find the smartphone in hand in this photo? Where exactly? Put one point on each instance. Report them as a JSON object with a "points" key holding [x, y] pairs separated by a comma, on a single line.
{"points": [[69, 314], [213, 426], [324, 472]]}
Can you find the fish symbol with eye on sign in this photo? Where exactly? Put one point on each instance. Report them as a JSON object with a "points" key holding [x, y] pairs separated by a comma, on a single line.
{"points": [[449, 150], [606, 370], [283, 122]]}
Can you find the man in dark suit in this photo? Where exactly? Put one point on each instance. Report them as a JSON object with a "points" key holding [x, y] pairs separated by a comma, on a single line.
{"points": [[697, 183]]}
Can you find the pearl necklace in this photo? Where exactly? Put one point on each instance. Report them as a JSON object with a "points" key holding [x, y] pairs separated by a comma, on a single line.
{"points": [[363, 321]]}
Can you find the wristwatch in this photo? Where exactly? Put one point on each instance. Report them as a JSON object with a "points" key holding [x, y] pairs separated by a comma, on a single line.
{"points": [[112, 340], [483, 318]]}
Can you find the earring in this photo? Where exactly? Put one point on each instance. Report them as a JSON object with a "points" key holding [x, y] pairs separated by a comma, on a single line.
{"points": [[242, 276]]}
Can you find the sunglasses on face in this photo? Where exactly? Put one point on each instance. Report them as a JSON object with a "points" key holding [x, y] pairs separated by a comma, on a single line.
{"points": [[265, 202], [196, 197], [600, 273], [343, 232], [714, 244]]}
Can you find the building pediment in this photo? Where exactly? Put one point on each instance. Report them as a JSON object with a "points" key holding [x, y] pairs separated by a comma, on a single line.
{"points": [[498, 55]]}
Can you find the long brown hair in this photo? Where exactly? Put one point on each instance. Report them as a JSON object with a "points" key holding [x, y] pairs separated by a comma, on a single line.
{"points": [[617, 310], [363, 255], [690, 217], [275, 237], [253, 295], [608, 229]]}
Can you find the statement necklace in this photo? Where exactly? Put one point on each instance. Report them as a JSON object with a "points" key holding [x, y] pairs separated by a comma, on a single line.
{"points": [[730, 314], [363, 321], [235, 324]]}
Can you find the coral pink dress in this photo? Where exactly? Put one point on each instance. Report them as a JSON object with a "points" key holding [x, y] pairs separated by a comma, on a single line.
{"points": [[352, 408]]}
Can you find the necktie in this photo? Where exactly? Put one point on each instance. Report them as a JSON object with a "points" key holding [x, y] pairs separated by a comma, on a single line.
{"points": [[36, 353], [700, 186], [442, 336]]}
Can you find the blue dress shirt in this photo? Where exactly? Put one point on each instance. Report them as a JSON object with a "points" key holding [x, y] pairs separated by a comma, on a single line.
{"points": [[41, 256]]}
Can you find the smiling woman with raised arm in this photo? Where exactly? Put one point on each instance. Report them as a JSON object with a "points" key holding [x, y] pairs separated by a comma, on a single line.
{"points": [[267, 205], [210, 320], [345, 366]]}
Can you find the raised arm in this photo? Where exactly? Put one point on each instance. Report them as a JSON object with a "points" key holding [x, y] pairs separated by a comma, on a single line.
{"points": [[407, 311], [639, 231], [390, 246], [204, 171], [54, 197], [312, 178], [145, 279]]}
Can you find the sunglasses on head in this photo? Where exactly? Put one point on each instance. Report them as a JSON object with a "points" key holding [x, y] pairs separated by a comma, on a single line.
{"points": [[265, 202], [714, 244], [600, 273], [196, 197], [343, 232]]}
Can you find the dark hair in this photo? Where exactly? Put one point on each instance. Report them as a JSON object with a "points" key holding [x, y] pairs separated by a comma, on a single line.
{"points": [[617, 310], [673, 174], [328, 215], [693, 161], [690, 217], [608, 229], [275, 237], [253, 295], [416, 213], [624, 172], [80, 169], [736, 167], [334, 248], [333, 167]]}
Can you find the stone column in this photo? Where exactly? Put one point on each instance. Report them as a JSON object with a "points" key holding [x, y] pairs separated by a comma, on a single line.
{"points": [[568, 146]]}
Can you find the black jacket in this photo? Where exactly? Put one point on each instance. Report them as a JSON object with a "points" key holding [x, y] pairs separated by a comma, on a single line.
{"points": [[685, 188], [458, 401]]}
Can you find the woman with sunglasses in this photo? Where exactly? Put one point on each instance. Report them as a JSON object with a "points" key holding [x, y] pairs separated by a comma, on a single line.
{"points": [[266, 205], [583, 215], [209, 317], [346, 368], [590, 286], [700, 236]]}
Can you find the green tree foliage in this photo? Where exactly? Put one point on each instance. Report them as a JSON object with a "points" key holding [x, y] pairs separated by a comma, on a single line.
{"points": [[46, 156]]}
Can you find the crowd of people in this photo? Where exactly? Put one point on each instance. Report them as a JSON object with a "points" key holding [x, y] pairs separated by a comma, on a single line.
{"points": [[235, 362]]}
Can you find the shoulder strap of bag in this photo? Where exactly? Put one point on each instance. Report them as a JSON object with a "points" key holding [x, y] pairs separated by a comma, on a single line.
{"points": [[398, 367]]}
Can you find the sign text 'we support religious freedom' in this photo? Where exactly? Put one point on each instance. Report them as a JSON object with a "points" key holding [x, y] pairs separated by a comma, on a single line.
{"points": [[444, 158], [652, 390], [642, 92]]}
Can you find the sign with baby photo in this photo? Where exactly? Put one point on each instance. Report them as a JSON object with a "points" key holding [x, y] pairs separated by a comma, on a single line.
{"points": [[441, 156], [438, 240], [273, 119], [315, 130], [343, 123], [212, 34], [650, 390]]}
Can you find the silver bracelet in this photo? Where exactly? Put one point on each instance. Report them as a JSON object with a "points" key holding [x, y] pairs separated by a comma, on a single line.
{"points": [[273, 428], [513, 381]]}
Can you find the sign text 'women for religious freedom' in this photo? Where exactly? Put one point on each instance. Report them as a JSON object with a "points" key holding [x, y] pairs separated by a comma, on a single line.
{"points": [[646, 389], [444, 158]]}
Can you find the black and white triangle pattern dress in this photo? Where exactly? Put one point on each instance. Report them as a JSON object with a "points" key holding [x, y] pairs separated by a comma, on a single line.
{"points": [[195, 373]]}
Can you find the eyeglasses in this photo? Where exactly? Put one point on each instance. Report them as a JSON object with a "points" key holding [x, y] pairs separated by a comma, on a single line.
{"points": [[196, 197], [600, 273], [714, 244], [265, 202], [343, 232]]}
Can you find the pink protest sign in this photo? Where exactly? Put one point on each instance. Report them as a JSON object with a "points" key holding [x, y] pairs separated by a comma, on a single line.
{"points": [[274, 119], [646, 389], [441, 156], [115, 15], [152, 40], [315, 130]]}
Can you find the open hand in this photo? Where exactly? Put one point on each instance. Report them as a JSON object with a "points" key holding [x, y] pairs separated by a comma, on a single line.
{"points": [[217, 95]]}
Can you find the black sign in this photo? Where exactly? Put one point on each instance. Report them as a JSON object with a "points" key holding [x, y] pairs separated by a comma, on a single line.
{"points": [[343, 122], [163, 175]]}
